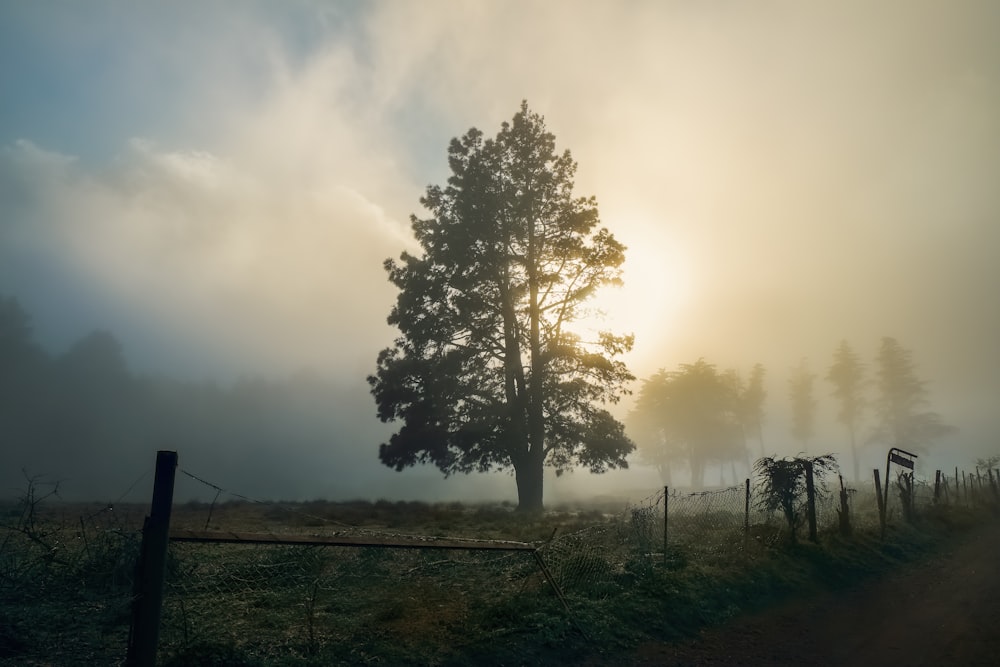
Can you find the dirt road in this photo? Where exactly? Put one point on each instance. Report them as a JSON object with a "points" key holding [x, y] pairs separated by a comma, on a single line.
{"points": [[942, 612]]}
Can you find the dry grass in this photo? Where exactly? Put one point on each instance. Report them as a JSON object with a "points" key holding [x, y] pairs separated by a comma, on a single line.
{"points": [[66, 581]]}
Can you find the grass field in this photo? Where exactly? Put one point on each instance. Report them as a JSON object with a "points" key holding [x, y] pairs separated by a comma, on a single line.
{"points": [[66, 580]]}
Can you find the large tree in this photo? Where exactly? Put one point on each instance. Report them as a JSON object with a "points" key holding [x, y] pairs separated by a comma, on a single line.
{"points": [[487, 372], [902, 420], [690, 415], [847, 375]]}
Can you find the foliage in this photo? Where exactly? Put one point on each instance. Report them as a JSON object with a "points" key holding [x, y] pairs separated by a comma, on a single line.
{"points": [[902, 420], [847, 375], [487, 372], [690, 414], [783, 484], [989, 462]]}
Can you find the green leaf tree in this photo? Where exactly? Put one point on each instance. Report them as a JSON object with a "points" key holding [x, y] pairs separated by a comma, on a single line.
{"points": [[688, 415], [847, 375], [655, 442], [487, 372], [901, 418], [782, 485], [800, 390]]}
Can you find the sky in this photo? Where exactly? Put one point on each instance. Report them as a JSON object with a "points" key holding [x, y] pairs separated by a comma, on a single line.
{"points": [[218, 182]]}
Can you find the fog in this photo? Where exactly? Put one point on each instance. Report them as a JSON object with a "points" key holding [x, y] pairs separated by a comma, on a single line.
{"points": [[217, 186]]}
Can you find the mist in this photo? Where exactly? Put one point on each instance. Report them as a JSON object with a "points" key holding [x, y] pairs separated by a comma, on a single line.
{"points": [[215, 189]]}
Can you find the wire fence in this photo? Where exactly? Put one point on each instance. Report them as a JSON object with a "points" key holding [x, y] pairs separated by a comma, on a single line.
{"points": [[67, 571], [66, 575]]}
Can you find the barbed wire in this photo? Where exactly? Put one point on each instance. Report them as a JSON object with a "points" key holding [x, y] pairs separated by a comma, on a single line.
{"points": [[261, 603]]}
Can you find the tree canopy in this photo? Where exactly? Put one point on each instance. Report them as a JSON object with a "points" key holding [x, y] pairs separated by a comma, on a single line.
{"points": [[900, 408], [487, 372], [847, 375], [692, 415]]}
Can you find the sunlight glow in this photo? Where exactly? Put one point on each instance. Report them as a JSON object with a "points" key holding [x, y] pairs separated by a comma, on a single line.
{"points": [[657, 286]]}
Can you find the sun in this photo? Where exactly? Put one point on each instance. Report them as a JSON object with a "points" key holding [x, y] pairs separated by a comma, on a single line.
{"points": [[656, 288]]}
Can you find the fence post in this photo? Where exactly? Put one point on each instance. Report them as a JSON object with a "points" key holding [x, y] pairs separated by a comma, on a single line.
{"points": [[811, 501], [666, 506], [746, 516], [845, 516], [937, 486], [148, 590], [881, 503], [911, 505]]}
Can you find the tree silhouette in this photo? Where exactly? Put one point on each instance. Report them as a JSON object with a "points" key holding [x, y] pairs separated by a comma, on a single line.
{"points": [[24, 371], [688, 414], [902, 397], [487, 372], [847, 375], [800, 390], [647, 426], [783, 483]]}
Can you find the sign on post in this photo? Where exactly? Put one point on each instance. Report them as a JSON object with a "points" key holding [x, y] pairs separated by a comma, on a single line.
{"points": [[902, 458], [901, 461]]}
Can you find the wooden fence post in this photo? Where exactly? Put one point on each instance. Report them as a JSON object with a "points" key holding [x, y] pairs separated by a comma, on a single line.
{"points": [[811, 501], [881, 503], [937, 486], [845, 515], [148, 591], [666, 506], [746, 516]]}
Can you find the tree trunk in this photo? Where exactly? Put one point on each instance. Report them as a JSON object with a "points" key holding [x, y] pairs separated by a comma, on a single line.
{"points": [[666, 473], [529, 476], [698, 474]]}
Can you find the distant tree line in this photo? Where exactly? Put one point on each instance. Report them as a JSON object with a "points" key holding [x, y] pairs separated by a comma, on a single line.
{"points": [[84, 415], [697, 416]]}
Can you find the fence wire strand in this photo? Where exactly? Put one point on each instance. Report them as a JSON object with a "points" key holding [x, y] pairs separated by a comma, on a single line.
{"points": [[66, 573]]}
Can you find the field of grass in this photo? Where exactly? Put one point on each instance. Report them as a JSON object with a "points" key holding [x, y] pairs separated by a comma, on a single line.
{"points": [[66, 580]]}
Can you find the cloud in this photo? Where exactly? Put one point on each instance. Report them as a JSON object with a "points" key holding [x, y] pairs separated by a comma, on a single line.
{"points": [[786, 175], [223, 257]]}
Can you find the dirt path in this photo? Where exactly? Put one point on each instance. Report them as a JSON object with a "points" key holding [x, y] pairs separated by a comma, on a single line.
{"points": [[944, 611]]}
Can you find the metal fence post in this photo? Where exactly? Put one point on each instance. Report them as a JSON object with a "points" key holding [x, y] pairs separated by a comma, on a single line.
{"points": [[666, 506], [746, 516], [881, 503], [811, 501], [148, 592]]}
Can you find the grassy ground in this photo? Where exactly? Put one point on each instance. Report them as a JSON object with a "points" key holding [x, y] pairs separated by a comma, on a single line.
{"points": [[65, 582]]}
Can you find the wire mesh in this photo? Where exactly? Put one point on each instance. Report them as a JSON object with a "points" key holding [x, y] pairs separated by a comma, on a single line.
{"points": [[332, 605], [66, 572], [66, 575]]}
